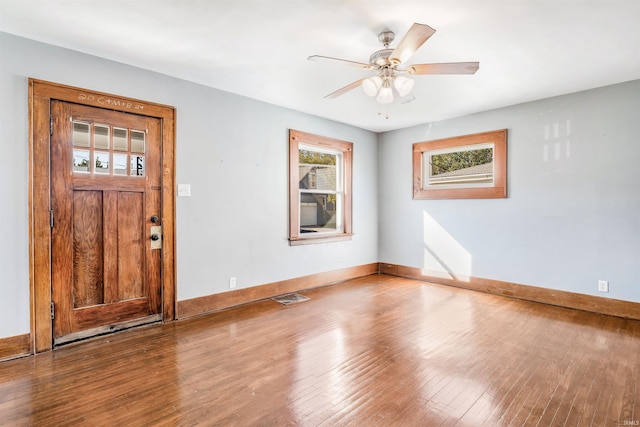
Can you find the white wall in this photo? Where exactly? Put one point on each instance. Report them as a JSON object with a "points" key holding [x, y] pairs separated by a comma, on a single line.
{"points": [[568, 221], [232, 150], [570, 218]]}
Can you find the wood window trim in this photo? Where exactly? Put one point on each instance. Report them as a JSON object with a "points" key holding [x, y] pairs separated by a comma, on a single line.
{"points": [[295, 139], [41, 93], [499, 188]]}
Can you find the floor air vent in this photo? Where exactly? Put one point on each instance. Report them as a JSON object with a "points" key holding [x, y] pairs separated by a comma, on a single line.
{"points": [[290, 298]]}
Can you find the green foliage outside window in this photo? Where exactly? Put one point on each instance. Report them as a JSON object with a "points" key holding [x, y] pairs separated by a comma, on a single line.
{"points": [[316, 158], [449, 162]]}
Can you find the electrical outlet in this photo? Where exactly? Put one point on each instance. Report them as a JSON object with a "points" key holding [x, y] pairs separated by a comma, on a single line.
{"points": [[603, 286], [232, 282]]}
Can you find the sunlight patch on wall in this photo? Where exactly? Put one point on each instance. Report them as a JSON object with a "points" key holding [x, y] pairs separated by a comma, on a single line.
{"points": [[444, 256], [557, 138]]}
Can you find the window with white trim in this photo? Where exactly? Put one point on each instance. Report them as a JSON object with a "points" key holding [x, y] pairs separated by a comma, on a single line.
{"points": [[319, 188], [471, 166], [461, 167]]}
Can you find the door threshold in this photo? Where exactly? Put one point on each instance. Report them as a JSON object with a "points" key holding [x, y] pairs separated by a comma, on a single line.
{"points": [[106, 329]]}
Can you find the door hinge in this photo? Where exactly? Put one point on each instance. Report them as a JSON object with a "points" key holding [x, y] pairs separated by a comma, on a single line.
{"points": [[51, 218], [50, 125], [53, 311]]}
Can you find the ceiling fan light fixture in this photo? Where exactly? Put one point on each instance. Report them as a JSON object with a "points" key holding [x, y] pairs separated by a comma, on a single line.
{"points": [[403, 85], [385, 96], [372, 85], [391, 73]]}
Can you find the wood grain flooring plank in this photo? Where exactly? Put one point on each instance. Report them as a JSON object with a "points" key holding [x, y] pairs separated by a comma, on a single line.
{"points": [[373, 351]]}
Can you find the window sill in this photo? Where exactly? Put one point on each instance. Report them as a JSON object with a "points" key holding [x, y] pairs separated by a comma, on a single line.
{"points": [[297, 241]]}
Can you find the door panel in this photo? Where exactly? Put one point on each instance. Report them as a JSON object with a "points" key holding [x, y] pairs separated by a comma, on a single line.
{"points": [[105, 174], [88, 255], [130, 245]]}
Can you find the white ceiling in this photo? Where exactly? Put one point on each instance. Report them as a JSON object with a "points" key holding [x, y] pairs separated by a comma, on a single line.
{"points": [[527, 49]]}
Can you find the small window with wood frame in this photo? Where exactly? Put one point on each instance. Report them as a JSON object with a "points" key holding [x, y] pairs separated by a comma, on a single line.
{"points": [[463, 167], [319, 189]]}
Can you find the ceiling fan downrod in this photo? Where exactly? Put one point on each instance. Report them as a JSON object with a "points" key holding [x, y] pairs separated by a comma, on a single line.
{"points": [[380, 58]]}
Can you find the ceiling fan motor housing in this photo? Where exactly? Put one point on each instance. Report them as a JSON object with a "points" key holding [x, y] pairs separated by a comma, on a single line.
{"points": [[386, 37], [380, 57]]}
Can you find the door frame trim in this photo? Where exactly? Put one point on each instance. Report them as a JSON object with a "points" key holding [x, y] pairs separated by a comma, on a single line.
{"points": [[41, 93]]}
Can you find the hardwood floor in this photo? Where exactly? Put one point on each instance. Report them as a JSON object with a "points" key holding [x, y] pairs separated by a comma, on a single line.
{"points": [[378, 350]]}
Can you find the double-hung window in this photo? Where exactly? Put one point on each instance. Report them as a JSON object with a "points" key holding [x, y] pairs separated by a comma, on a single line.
{"points": [[319, 188]]}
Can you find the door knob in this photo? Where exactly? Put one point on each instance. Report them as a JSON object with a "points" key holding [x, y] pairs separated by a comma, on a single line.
{"points": [[155, 219], [156, 236]]}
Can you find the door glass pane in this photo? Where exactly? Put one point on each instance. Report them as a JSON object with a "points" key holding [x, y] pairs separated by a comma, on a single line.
{"points": [[80, 160], [137, 165], [114, 151], [101, 137], [137, 141], [119, 164], [81, 135], [120, 142], [101, 162]]}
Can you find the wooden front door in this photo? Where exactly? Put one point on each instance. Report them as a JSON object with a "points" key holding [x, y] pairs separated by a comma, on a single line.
{"points": [[106, 234]]}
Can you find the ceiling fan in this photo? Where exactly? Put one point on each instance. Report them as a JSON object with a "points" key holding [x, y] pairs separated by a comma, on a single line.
{"points": [[390, 69]]}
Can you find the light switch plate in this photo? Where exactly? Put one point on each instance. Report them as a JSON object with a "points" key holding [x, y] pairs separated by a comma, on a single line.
{"points": [[184, 190]]}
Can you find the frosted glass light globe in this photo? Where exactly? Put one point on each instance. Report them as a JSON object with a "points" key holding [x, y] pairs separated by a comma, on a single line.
{"points": [[403, 85], [372, 85], [385, 96]]}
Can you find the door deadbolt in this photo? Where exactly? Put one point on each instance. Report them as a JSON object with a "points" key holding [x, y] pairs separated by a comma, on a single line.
{"points": [[155, 219], [156, 237]]}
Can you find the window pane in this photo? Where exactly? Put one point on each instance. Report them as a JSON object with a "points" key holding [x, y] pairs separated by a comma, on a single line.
{"points": [[317, 170], [137, 141], [137, 165], [81, 134], [101, 162], [101, 137], [120, 142], [80, 161], [119, 164], [463, 167], [318, 177], [319, 213]]}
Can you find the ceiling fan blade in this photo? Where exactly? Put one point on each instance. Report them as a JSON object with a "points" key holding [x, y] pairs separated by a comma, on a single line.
{"points": [[329, 59], [415, 37], [345, 89], [444, 68]]}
